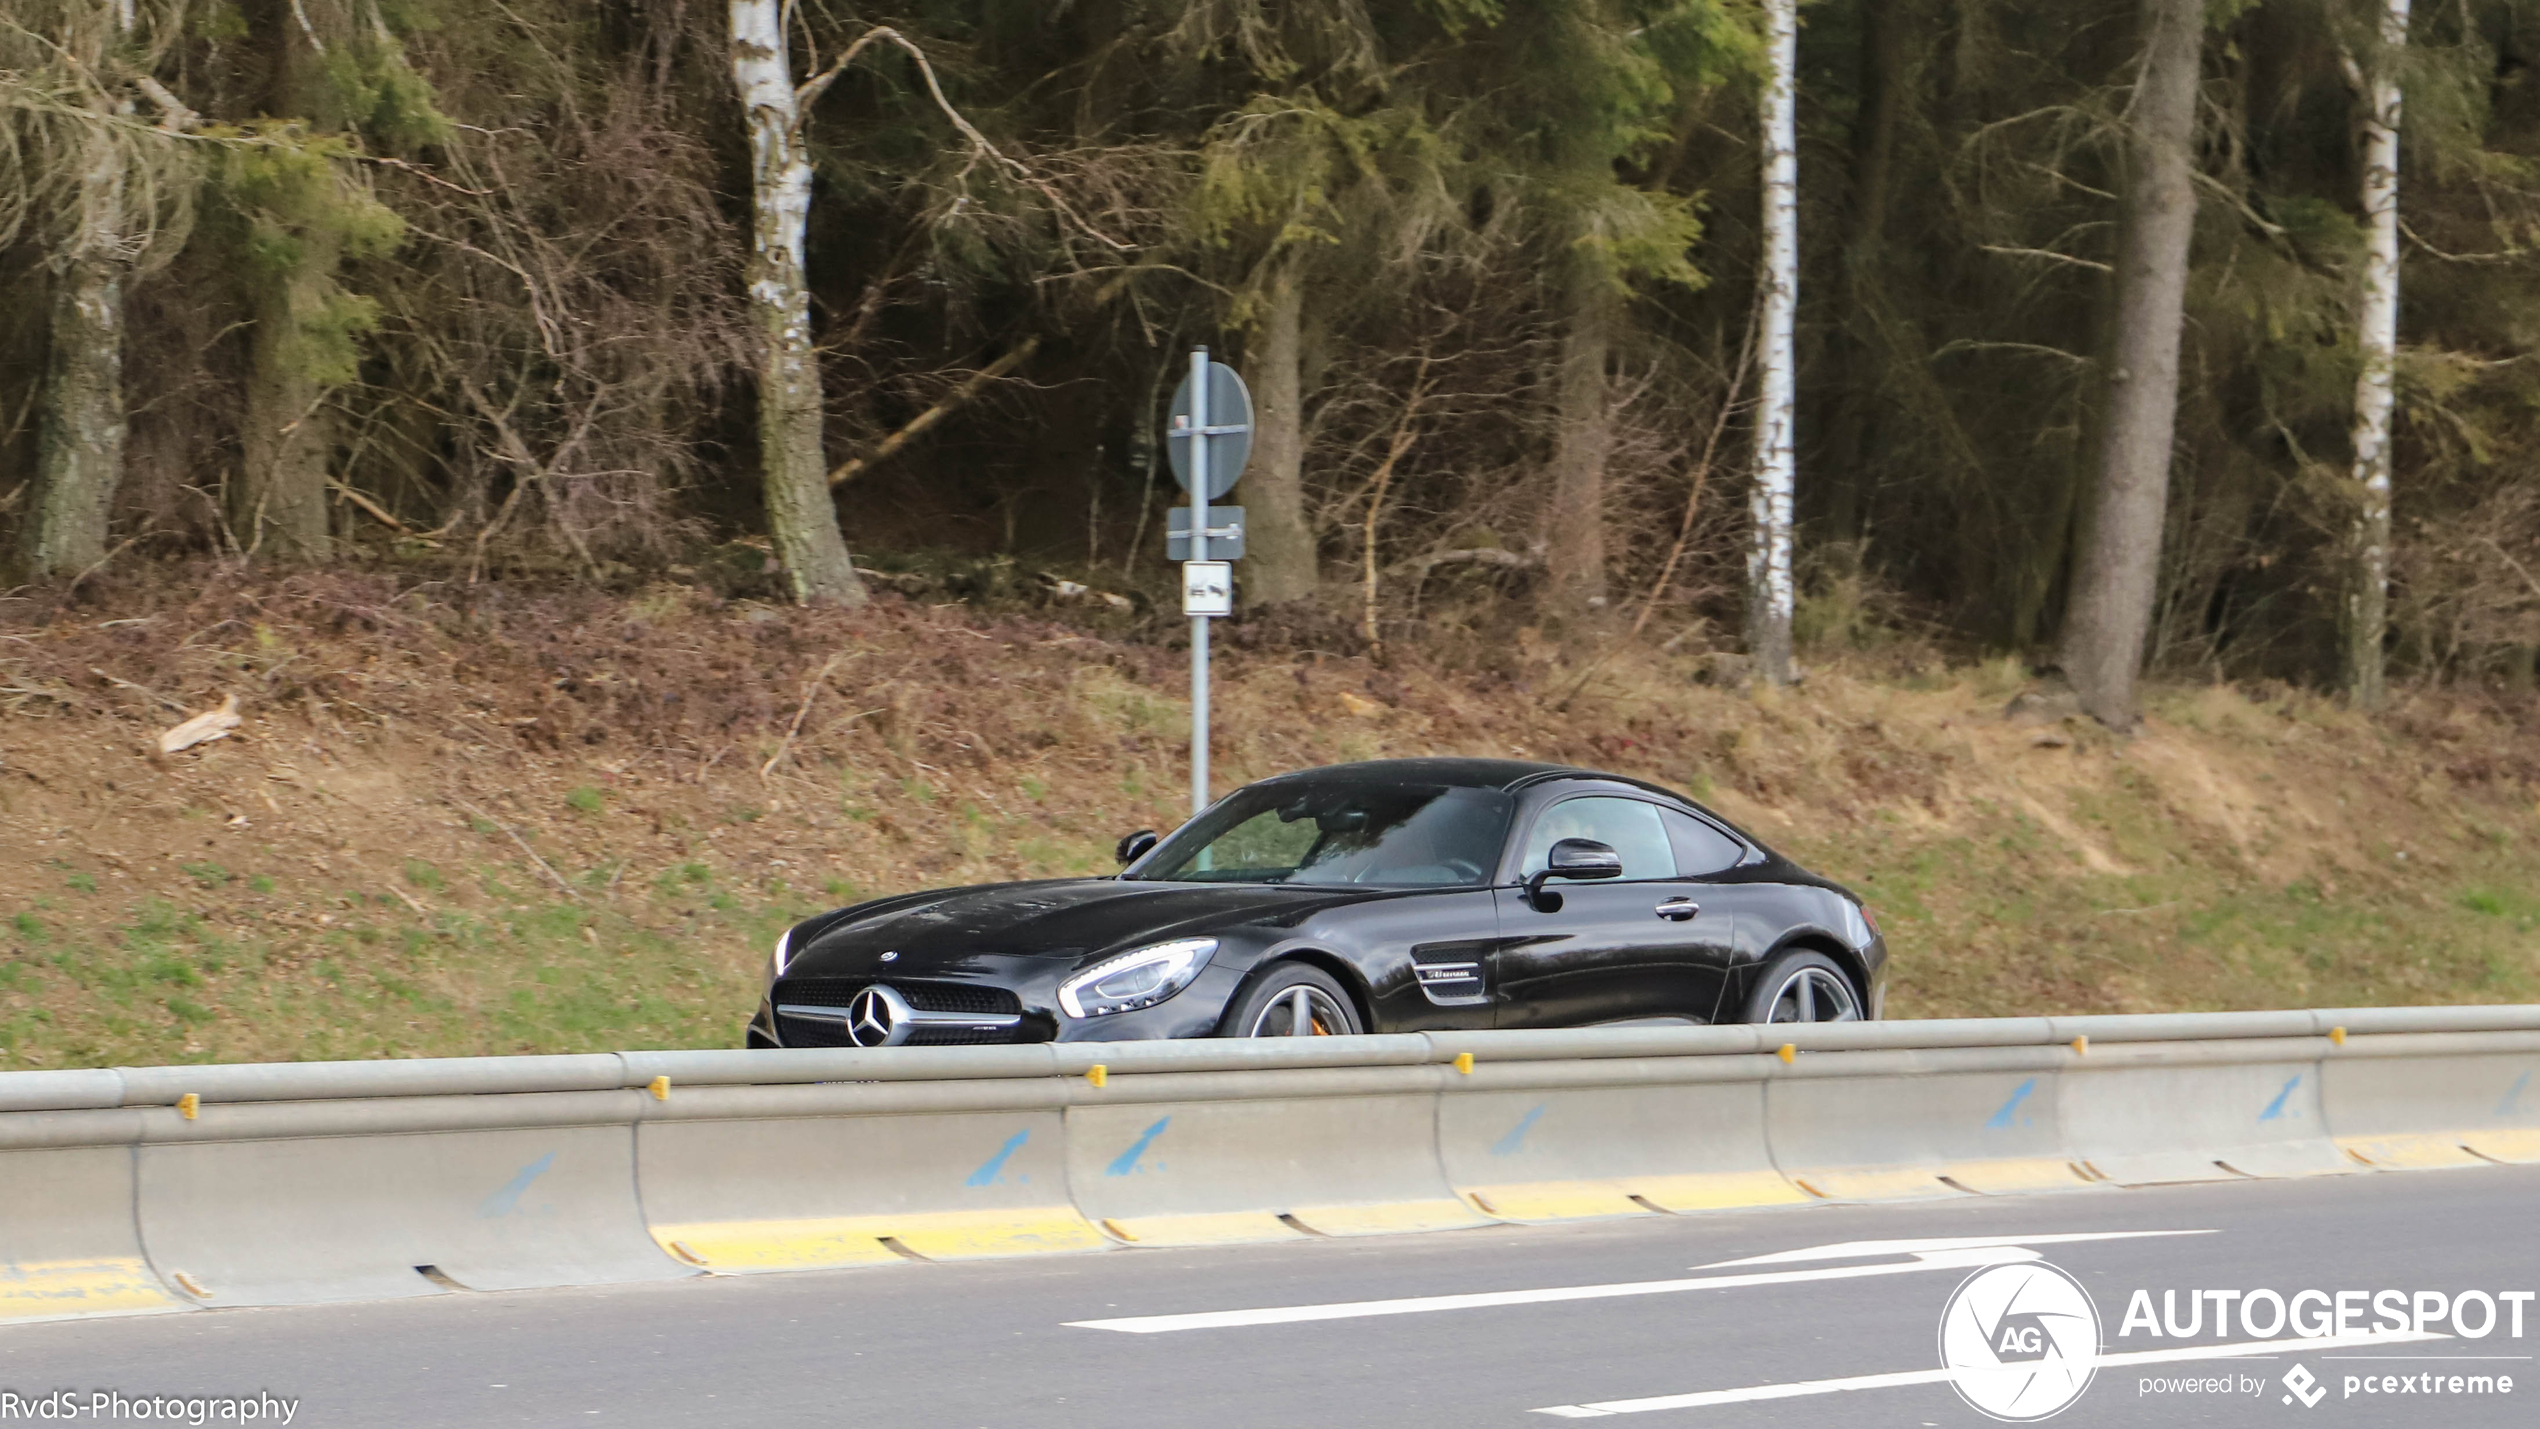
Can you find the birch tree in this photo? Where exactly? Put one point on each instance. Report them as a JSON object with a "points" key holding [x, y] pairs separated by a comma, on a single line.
{"points": [[1769, 589], [802, 520], [2368, 557], [99, 187], [2115, 577]]}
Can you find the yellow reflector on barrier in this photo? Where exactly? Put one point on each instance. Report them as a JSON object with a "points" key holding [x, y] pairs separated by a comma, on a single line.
{"points": [[1386, 1218], [811, 1244], [59, 1289]]}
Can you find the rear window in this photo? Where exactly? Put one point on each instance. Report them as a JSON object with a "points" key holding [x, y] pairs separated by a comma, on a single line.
{"points": [[1700, 848]]}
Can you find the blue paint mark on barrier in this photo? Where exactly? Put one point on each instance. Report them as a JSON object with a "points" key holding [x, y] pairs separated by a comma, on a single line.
{"points": [[1516, 1137], [1127, 1162], [992, 1170], [2275, 1109], [2001, 1120], [2507, 1107], [506, 1201]]}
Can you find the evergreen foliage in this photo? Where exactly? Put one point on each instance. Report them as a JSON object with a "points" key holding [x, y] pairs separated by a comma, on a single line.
{"points": [[500, 245]]}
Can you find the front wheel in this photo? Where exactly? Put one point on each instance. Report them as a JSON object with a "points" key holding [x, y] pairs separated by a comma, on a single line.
{"points": [[1294, 1000], [1802, 986]]}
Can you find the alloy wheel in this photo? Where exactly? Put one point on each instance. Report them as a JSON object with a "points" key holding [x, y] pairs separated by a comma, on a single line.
{"points": [[1813, 994], [1300, 1011]]}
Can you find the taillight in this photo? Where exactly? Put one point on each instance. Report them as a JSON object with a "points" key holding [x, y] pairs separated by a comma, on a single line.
{"points": [[1871, 919]]}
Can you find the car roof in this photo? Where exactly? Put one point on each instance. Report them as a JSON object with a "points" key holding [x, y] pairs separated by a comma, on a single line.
{"points": [[1455, 773], [1509, 775]]}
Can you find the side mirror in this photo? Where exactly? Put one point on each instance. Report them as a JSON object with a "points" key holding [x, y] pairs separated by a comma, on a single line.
{"points": [[1573, 858], [1133, 847]]}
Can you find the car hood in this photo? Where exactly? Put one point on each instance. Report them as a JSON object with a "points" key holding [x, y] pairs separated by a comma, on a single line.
{"points": [[1069, 918]]}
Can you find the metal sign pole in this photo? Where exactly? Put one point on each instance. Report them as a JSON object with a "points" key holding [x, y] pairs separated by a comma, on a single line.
{"points": [[1199, 552]]}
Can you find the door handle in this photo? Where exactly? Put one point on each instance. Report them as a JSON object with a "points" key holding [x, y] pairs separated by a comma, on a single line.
{"points": [[1678, 910]]}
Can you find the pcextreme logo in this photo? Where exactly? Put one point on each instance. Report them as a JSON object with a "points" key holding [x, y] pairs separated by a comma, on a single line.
{"points": [[2305, 1386], [2022, 1341]]}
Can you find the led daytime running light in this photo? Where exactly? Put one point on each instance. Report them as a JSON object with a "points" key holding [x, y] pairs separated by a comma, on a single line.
{"points": [[1176, 964]]}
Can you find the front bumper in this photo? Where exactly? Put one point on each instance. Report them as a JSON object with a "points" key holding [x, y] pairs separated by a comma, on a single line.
{"points": [[1195, 1011]]}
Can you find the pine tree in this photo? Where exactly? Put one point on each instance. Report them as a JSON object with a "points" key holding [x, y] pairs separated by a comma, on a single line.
{"points": [[104, 191], [2114, 586]]}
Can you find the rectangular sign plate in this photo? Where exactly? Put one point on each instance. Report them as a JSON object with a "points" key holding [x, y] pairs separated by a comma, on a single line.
{"points": [[1208, 588], [1225, 533]]}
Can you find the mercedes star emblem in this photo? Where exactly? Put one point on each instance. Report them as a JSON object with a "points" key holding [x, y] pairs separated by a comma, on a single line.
{"points": [[877, 1018]]}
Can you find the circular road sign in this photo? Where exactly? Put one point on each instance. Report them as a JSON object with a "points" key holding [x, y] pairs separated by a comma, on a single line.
{"points": [[1229, 430]]}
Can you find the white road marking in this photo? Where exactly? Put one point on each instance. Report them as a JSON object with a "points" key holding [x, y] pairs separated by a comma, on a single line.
{"points": [[1954, 1254], [1863, 1249], [1796, 1390]]}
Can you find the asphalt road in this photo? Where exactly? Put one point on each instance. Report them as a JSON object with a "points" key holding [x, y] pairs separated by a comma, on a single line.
{"points": [[992, 1344]]}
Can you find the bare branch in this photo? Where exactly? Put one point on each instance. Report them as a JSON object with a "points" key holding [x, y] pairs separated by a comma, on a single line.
{"points": [[811, 90]]}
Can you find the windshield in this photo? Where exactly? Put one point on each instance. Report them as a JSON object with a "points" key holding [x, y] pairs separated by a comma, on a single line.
{"points": [[1385, 835]]}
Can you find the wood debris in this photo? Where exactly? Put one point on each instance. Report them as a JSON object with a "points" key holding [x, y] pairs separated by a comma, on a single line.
{"points": [[202, 728]]}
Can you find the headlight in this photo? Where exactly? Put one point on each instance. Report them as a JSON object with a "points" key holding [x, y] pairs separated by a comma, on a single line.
{"points": [[1134, 980], [776, 960]]}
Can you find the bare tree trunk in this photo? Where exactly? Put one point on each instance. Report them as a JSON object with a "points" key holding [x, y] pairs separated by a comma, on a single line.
{"points": [[1583, 436], [802, 519], [1281, 562], [81, 424], [1770, 594], [2119, 565], [2368, 554]]}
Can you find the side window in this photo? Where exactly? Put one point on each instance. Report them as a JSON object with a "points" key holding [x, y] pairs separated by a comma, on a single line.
{"points": [[1629, 826], [1700, 848]]}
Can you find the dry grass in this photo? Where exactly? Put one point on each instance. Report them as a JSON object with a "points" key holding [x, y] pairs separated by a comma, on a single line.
{"points": [[505, 820]]}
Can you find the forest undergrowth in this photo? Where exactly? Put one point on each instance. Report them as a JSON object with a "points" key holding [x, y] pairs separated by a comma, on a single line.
{"points": [[460, 820]]}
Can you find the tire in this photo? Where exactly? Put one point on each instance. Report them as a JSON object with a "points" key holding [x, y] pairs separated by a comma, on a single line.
{"points": [[1268, 1008], [1801, 986]]}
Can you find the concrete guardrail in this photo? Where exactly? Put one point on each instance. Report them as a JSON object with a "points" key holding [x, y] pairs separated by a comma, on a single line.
{"points": [[158, 1189]]}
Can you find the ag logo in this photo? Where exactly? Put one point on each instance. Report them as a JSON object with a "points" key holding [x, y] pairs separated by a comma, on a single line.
{"points": [[2022, 1339]]}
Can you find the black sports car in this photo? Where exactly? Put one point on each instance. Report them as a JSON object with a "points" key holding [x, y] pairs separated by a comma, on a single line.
{"points": [[1397, 895]]}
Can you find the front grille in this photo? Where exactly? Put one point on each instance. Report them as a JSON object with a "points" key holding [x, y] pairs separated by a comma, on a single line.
{"points": [[962, 997], [924, 996], [803, 1032]]}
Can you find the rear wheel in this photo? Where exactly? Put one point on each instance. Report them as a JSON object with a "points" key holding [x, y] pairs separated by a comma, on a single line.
{"points": [[1802, 986], [1294, 1000]]}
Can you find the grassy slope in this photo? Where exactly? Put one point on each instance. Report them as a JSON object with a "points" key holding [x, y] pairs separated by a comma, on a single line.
{"points": [[565, 823]]}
